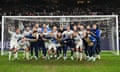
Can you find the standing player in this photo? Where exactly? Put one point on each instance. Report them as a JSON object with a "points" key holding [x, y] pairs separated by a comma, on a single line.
{"points": [[82, 33], [59, 45], [96, 34], [27, 32], [52, 46], [15, 36], [91, 43], [66, 36], [41, 41], [78, 45], [33, 38], [38, 28]]}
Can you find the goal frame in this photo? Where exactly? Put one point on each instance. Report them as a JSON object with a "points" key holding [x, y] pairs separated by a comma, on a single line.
{"points": [[115, 16]]}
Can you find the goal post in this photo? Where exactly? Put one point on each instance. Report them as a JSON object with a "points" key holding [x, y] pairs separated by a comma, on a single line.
{"points": [[108, 25]]}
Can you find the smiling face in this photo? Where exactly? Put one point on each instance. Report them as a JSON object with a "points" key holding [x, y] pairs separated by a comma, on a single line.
{"points": [[17, 31], [81, 27], [37, 25], [68, 28], [75, 27], [94, 26], [54, 29]]}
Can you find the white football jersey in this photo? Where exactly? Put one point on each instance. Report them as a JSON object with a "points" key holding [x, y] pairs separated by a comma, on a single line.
{"points": [[15, 36], [67, 33], [81, 33], [26, 33]]}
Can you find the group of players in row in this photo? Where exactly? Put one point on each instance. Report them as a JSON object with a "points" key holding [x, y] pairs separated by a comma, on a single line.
{"points": [[81, 41]]}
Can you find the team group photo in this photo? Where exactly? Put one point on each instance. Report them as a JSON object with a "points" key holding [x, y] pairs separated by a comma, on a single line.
{"points": [[82, 41], [60, 36]]}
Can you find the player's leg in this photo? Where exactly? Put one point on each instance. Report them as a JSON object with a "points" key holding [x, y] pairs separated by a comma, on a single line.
{"points": [[59, 52], [49, 51], [26, 49], [55, 50], [15, 53], [65, 51], [31, 50], [81, 50], [98, 50], [72, 52], [36, 51], [44, 51], [93, 51], [10, 50], [90, 53], [85, 49], [77, 52]]}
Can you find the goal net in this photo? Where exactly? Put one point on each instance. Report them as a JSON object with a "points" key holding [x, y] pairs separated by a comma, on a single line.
{"points": [[108, 24]]}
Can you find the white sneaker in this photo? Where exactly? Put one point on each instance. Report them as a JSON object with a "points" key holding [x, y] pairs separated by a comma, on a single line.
{"points": [[64, 57], [55, 56], [98, 56], [72, 58], [51, 56], [87, 57], [59, 57], [93, 59], [36, 58], [90, 58]]}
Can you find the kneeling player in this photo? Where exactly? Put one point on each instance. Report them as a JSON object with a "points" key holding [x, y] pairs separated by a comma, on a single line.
{"points": [[24, 44]]}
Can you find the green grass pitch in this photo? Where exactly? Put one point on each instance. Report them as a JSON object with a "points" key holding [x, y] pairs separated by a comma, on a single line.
{"points": [[108, 63]]}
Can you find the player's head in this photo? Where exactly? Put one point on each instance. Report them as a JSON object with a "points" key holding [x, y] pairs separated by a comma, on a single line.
{"points": [[54, 28], [68, 28], [23, 39], [75, 28], [45, 30], [61, 27], [81, 27], [27, 28], [37, 25], [17, 30], [44, 25], [94, 26], [34, 29], [78, 25], [88, 28]]}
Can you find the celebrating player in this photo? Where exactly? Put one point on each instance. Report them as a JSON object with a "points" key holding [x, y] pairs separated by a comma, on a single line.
{"points": [[15, 36]]}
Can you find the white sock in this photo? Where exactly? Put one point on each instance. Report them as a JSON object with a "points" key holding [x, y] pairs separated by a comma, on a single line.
{"points": [[24, 54], [80, 56], [10, 54], [77, 54], [27, 55], [15, 55]]}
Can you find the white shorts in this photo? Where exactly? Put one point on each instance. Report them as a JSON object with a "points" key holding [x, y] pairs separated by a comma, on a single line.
{"points": [[52, 46], [13, 44], [79, 44], [58, 45], [47, 44], [23, 46]]}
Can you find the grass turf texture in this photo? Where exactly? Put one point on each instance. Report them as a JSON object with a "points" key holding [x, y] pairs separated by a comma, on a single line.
{"points": [[108, 63]]}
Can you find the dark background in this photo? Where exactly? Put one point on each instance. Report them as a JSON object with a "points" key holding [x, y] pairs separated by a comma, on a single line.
{"points": [[59, 7]]}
